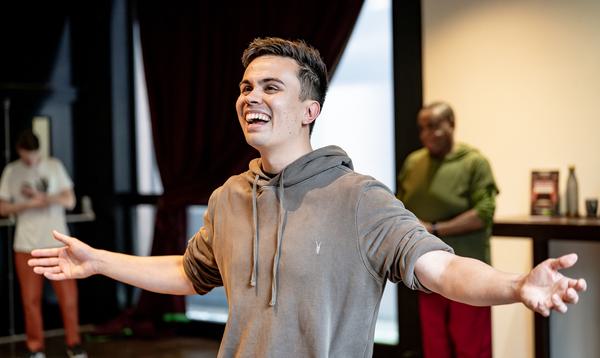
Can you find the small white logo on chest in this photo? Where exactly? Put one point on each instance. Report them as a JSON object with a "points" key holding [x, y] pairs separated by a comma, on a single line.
{"points": [[318, 247]]}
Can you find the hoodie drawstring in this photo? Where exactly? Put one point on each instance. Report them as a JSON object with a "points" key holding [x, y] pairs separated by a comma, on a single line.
{"points": [[282, 214], [255, 237], [277, 256]]}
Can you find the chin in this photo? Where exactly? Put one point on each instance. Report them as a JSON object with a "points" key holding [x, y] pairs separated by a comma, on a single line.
{"points": [[254, 141]]}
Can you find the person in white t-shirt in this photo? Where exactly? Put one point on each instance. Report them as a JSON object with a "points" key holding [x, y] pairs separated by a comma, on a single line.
{"points": [[37, 191]]}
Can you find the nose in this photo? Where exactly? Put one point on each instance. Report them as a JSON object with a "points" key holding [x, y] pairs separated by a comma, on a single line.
{"points": [[253, 97]]}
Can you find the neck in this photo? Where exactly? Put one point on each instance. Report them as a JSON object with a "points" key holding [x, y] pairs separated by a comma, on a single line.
{"points": [[443, 154], [275, 160]]}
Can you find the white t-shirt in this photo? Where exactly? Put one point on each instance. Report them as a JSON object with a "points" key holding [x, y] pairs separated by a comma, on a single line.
{"points": [[34, 226]]}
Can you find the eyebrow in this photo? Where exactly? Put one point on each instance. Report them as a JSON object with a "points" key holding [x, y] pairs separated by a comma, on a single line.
{"points": [[264, 80]]}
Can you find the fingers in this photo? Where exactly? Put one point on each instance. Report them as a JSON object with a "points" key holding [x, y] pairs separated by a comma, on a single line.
{"points": [[558, 304], [55, 276], [67, 240], [44, 262], [580, 285], [44, 270], [571, 296], [542, 309], [563, 262], [55, 272], [47, 266], [571, 288], [62, 237], [559, 300], [45, 252], [554, 303]]}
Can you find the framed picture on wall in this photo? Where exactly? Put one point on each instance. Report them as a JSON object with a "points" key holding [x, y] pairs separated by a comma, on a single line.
{"points": [[544, 192]]}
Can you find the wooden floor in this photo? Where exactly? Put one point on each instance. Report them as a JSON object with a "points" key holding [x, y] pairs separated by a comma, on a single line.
{"points": [[165, 346], [120, 347]]}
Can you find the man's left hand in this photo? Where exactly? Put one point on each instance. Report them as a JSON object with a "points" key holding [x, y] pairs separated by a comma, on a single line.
{"points": [[545, 289]]}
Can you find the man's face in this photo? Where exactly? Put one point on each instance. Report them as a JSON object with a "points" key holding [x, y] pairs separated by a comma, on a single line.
{"points": [[29, 157], [436, 133], [269, 108]]}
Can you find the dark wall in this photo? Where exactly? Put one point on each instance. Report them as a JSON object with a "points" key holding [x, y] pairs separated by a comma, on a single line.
{"points": [[96, 117], [30, 47]]}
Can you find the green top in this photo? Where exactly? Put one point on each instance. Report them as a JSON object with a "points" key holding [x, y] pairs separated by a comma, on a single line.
{"points": [[440, 189]]}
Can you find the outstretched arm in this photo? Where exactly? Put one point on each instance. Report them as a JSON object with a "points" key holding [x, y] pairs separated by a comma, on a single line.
{"points": [[162, 274], [473, 282]]}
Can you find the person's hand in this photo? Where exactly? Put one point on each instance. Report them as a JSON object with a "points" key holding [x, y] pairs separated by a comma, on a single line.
{"points": [[35, 199], [74, 260], [27, 190], [545, 289], [38, 200]]}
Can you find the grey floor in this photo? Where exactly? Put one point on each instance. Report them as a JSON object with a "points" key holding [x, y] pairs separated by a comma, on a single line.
{"points": [[174, 346]]}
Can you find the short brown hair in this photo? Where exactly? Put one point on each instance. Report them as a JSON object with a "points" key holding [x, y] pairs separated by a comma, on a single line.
{"points": [[27, 140]]}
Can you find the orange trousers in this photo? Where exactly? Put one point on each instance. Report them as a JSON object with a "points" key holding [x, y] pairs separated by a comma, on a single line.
{"points": [[32, 285], [454, 330]]}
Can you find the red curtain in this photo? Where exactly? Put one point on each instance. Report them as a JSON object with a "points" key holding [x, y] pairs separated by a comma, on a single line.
{"points": [[192, 53]]}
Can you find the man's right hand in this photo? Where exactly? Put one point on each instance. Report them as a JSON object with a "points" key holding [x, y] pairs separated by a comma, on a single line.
{"points": [[74, 260], [37, 201]]}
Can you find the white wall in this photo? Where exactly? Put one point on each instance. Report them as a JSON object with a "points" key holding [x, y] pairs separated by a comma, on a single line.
{"points": [[524, 80], [358, 114]]}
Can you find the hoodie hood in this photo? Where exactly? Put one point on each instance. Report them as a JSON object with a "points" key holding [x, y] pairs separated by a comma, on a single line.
{"points": [[302, 168], [459, 151], [290, 178]]}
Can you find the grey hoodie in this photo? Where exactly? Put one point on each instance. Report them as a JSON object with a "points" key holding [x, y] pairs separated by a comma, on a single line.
{"points": [[304, 257]]}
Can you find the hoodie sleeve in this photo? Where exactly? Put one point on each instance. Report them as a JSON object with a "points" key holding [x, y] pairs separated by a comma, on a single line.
{"points": [[199, 261], [391, 238]]}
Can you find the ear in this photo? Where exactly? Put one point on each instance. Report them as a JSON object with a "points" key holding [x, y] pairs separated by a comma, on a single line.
{"points": [[451, 122], [311, 112]]}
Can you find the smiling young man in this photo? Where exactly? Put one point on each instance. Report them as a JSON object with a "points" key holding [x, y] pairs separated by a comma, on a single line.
{"points": [[303, 244]]}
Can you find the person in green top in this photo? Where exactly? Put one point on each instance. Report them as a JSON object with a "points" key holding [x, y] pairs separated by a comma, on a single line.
{"points": [[450, 187]]}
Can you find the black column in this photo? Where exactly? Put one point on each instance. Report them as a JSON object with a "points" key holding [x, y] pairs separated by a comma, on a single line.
{"points": [[408, 99], [101, 69]]}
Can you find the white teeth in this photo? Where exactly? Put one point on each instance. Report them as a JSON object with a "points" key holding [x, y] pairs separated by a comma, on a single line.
{"points": [[251, 117]]}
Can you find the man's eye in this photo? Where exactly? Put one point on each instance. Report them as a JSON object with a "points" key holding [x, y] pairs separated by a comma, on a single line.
{"points": [[245, 89], [271, 88]]}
